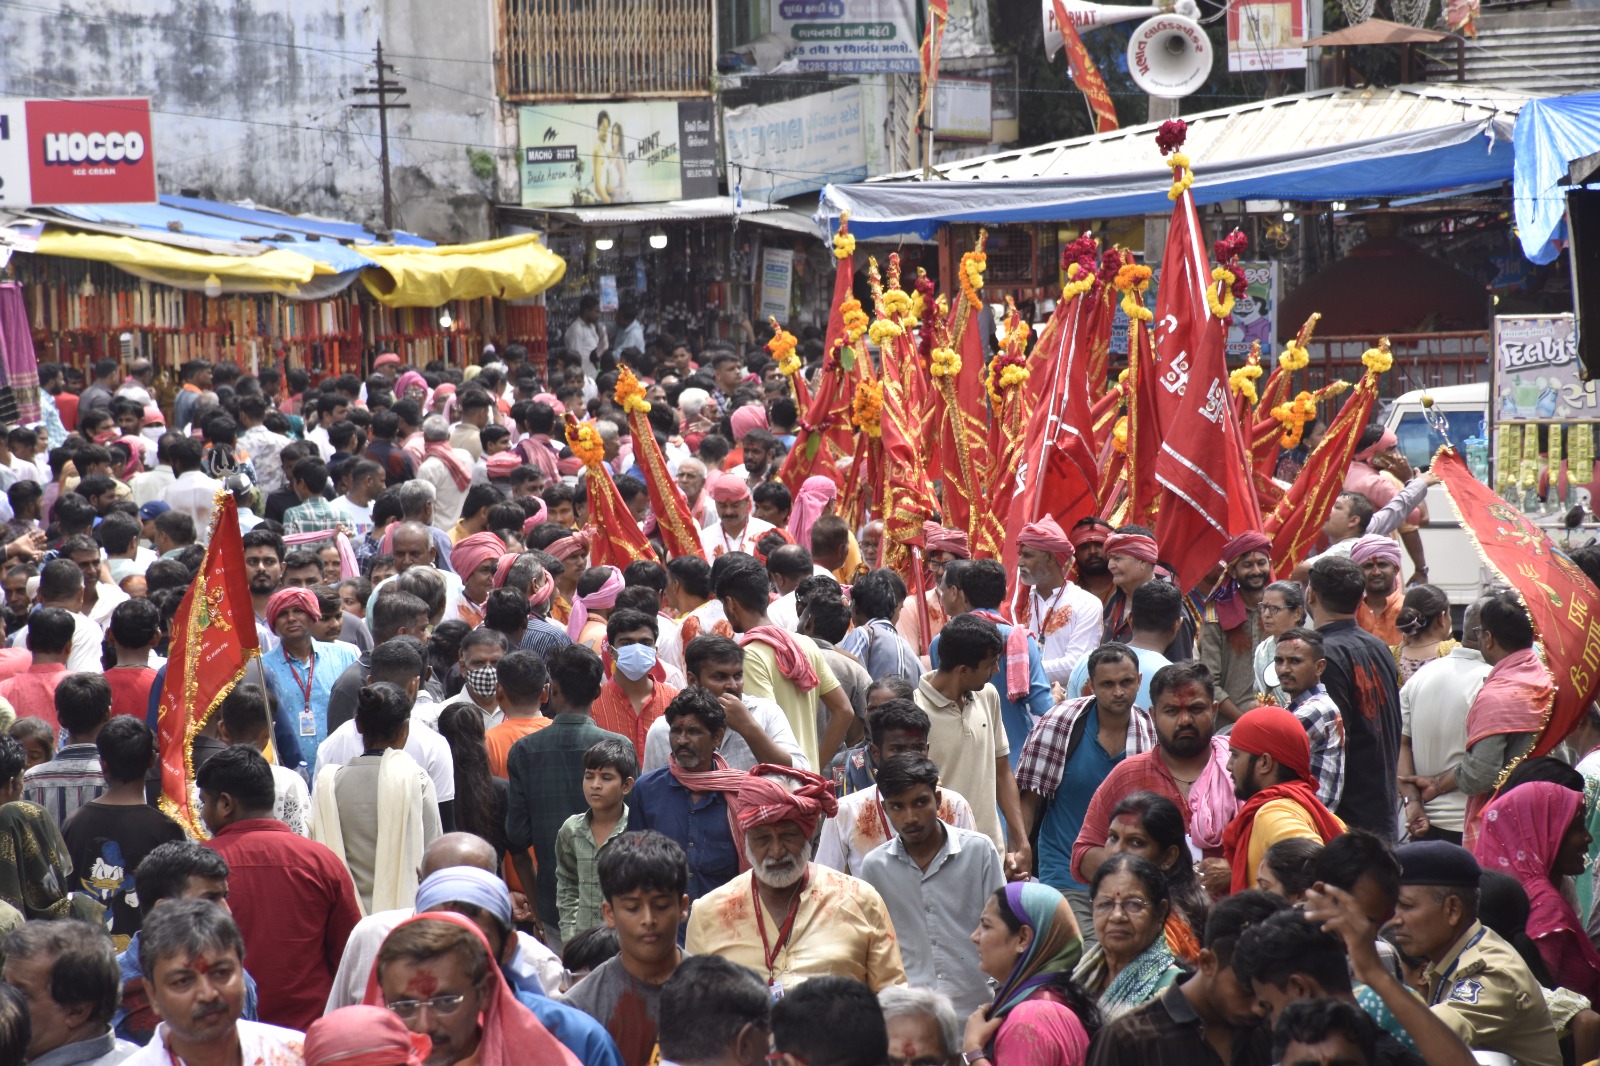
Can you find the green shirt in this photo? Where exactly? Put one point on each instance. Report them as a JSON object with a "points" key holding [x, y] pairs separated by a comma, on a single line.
{"points": [[578, 896]]}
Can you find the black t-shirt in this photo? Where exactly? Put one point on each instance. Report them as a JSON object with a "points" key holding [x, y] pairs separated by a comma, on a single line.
{"points": [[107, 842]]}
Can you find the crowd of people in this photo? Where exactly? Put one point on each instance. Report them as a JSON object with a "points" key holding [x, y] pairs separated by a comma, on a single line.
{"points": [[480, 802]]}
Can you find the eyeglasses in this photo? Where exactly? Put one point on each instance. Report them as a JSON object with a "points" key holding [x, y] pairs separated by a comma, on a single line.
{"points": [[1271, 608], [441, 1006], [1131, 907]]}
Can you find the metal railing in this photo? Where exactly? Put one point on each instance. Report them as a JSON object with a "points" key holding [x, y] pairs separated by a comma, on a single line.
{"points": [[1421, 360]]}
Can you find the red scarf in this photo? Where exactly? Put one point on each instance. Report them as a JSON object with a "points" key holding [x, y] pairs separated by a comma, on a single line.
{"points": [[1017, 680], [720, 778], [1236, 838], [460, 473], [792, 661]]}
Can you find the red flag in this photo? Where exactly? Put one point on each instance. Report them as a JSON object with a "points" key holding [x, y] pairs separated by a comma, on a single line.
{"points": [[900, 482], [680, 533], [1183, 314], [1085, 75], [618, 540], [1144, 426], [938, 16], [1562, 603], [824, 434], [959, 456], [213, 640]]}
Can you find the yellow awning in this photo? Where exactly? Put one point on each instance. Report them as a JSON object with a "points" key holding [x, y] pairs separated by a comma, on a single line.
{"points": [[509, 269], [274, 265]]}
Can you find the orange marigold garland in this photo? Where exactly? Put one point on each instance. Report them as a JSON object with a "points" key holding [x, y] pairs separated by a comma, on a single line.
{"points": [[630, 394], [1295, 415], [866, 409], [782, 346], [588, 446], [973, 264], [1133, 280]]}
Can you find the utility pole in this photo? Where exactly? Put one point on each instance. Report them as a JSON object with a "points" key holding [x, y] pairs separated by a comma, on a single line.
{"points": [[384, 88]]}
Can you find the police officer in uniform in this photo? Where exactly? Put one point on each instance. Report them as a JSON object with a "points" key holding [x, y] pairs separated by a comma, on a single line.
{"points": [[1477, 983]]}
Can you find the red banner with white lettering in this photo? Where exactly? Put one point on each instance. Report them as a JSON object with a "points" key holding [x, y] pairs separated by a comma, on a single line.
{"points": [[76, 152], [213, 640], [1085, 75], [1562, 603]]}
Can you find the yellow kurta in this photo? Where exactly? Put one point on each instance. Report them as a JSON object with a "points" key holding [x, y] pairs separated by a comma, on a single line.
{"points": [[842, 929], [1281, 819]]}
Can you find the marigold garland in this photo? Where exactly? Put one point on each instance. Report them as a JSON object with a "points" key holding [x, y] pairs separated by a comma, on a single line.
{"points": [[1294, 357], [866, 409], [1295, 415], [946, 363], [1182, 176], [1012, 372], [883, 331], [844, 245], [1119, 435], [972, 267], [1078, 282], [1242, 382], [855, 319], [782, 346], [1133, 280], [588, 446], [1221, 307], [896, 302], [630, 394], [1378, 360]]}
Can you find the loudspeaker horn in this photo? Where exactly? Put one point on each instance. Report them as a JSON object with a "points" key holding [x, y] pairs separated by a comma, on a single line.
{"points": [[1088, 16], [1169, 56]]}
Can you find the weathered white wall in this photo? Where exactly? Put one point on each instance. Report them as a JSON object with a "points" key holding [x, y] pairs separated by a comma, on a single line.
{"points": [[252, 97]]}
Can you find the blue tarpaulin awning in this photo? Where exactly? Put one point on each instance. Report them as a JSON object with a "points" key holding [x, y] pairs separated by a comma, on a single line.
{"points": [[1550, 134]]}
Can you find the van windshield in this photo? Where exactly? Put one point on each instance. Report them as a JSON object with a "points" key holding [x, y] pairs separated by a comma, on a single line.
{"points": [[1418, 441]]}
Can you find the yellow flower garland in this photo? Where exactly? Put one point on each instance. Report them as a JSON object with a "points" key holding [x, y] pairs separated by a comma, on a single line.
{"points": [[588, 446], [1182, 176], [883, 331], [1294, 357], [896, 302], [972, 267], [946, 363], [1075, 285], [1378, 360], [1295, 415], [844, 245], [630, 394], [782, 346], [855, 319], [1242, 382], [866, 409], [1221, 307], [1119, 435], [1133, 281]]}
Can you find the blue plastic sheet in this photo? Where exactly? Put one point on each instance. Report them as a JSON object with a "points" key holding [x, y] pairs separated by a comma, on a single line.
{"points": [[1549, 135]]}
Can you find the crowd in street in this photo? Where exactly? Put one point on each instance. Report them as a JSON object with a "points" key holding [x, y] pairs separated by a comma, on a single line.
{"points": [[480, 802]]}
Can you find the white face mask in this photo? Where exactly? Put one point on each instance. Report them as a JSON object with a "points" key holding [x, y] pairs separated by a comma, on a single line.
{"points": [[635, 660]]}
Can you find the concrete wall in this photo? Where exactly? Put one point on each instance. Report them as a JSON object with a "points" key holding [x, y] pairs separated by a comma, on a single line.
{"points": [[252, 98]]}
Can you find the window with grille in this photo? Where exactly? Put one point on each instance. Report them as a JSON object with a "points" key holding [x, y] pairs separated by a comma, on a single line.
{"points": [[575, 48]]}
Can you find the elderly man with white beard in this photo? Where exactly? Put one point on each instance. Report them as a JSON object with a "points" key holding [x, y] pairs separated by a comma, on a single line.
{"points": [[785, 917]]}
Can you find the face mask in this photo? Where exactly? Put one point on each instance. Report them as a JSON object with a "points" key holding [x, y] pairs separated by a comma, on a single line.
{"points": [[483, 681], [636, 660]]}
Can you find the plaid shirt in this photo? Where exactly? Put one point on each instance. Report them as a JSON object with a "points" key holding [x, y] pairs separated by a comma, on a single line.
{"points": [[543, 636], [1044, 754], [578, 895], [311, 516], [1325, 729], [66, 782]]}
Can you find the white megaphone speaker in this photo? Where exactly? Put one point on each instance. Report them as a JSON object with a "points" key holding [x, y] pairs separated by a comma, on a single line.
{"points": [[1169, 56]]}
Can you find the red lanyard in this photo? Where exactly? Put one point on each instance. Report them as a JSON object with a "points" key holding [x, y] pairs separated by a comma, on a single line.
{"points": [[769, 951], [311, 673]]}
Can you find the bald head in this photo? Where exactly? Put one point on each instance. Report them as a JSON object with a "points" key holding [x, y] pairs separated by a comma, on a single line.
{"points": [[412, 546], [457, 849]]}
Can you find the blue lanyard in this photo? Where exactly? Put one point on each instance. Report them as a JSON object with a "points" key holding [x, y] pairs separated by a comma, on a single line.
{"points": [[1444, 978]]}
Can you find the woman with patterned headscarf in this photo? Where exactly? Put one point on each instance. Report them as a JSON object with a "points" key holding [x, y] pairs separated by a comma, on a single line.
{"points": [[1029, 942]]}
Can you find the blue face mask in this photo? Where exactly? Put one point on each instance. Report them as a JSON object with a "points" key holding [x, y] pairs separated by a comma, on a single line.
{"points": [[635, 660]]}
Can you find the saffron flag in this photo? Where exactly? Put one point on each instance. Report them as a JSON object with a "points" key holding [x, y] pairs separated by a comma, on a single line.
{"points": [[1085, 75], [824, 436], [617, 540], [680, 533], [938, 16], [213, 640], [1561, 601]]}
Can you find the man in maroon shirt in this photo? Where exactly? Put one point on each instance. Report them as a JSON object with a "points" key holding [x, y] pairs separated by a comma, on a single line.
{"points": [[293, 899]]}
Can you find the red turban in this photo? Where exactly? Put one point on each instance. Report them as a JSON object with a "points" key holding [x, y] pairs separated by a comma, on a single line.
{"points": [[1045, 535], [386, 359], [1136, 545], [1244, 544], [763, 799], [502, 569], [470, 552], [501, 464], [364, 1036], [1094, 533], [937, 538], [729, 488], [567, 547], [1276, 732], [284, 599]]}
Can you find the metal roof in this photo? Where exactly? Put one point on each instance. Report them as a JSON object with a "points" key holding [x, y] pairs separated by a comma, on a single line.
{"points": [[1302, 122]]}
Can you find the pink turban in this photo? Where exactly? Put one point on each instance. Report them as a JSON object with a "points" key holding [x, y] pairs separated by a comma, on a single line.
{"points": [[386, 359], [1383, 444], [567, 547], [411, 379], [543, 587], [763, 800], [502, 569], [1374, 546], [750, 416], [501, 464], [153, 417], [284, 599], [602, 598], [1094, 533], [1244, 544], [364, 1036], [814, 496], [1136, 545], [729, 488], [937, 538], [471, 553], [1046, 535], [540, 513], [555, 405]]}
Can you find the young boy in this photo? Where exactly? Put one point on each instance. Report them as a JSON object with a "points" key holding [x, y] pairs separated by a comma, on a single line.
{"points": [[609, 770], [644, 878], [36, 738], [135, 630]]}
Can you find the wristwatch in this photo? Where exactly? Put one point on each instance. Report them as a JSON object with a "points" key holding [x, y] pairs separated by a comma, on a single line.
{"points": [[970, 1057]]}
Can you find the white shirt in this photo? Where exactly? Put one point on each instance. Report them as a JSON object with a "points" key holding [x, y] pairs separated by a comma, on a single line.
{"points": [[151, 486], [1069, 638], [260, 1044], [447, 497], [121, 566], [860, 826], [734, 748], [86, 638], [1433, 713], [669, 646], [292, 804], [717, 542], [586, 341], [428, 748], [194, 493], [355, 515]]}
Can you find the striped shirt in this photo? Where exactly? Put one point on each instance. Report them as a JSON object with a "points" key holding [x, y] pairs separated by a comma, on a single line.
{"points": [[66, 782], [311, 516]]}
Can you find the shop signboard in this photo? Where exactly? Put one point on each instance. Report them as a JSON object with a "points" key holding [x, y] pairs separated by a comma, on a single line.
{"points": [[628, 152], [775, 151], [76, 152], [777, 283], [1255, 315], [1266, 35], [963, 110], [1537, 376], [851, 36]]}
